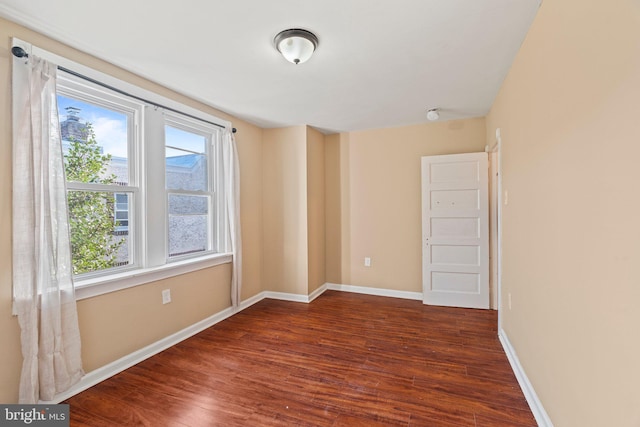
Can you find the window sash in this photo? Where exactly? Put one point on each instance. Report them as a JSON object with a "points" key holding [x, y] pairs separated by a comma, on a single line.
{"points": [[211, 136], [74, 88]]}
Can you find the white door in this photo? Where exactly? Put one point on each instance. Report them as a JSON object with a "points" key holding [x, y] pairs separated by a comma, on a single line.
{"points": [[455, 230]]}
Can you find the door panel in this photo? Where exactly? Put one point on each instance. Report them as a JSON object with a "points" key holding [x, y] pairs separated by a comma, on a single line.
{"points": [[455, 282], [455, 230], [455, 227], [458, 254], [467, 199]]}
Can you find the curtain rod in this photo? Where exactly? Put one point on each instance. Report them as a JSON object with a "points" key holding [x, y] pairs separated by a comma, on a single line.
{"points": [[20, 53]]}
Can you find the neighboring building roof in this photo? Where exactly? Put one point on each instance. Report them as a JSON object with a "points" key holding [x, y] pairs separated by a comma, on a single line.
{"points": [[186, 161]]}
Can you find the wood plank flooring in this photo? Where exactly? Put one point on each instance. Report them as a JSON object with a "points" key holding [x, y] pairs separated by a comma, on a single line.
{"points": [[343, 360]]}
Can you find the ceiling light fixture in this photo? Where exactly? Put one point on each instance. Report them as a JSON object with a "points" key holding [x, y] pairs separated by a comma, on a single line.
{"points": [[433, 114], [296, 45]]}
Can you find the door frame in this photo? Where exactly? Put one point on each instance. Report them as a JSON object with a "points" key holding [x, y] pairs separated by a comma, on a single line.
{"points": [[495, 159]]}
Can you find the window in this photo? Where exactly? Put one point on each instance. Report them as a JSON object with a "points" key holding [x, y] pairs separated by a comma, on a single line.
{"points": [[142, 184], [97, 132], [189, 188]]}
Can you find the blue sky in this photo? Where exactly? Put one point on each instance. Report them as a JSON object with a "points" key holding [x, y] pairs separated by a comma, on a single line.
{"points": [[181, 139], [111, 129], [110, 126]]}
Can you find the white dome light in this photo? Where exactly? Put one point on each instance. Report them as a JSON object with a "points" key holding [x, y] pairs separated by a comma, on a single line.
{"points": [[296, 45]]}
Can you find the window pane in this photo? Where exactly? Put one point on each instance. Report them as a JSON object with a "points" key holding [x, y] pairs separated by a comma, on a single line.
{"points": [[188, 224], [98, 240], [94, 141], [185, 160], [121, 209]]}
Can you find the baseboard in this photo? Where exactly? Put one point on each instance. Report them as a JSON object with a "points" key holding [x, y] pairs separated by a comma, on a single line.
{"points": [[250, 301], [315, 294], [131, 359], [284, 296], [534, 402], [375, 291], [344, 288], [117, 366]]}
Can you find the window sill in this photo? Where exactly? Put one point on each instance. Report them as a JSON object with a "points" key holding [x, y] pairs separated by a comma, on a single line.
{"points": [[95, 286]]}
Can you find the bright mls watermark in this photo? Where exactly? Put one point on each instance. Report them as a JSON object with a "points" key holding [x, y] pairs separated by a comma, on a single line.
{"points": [[34, 415]]}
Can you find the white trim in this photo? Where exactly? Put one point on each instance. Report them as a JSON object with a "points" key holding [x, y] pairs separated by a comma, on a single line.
{"points": [[250, 301], [541, 416], [117, 366], [375, 291], [284, 296], [104, 284], [499, 201], [496, 234], [315, 294]]}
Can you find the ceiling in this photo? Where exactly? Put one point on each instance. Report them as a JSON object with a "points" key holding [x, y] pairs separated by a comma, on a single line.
{"points": [[379, 63]]}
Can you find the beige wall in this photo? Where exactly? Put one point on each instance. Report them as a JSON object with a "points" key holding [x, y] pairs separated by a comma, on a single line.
{"points": [[119, 323], [315, 208], [569, 117], [345, 209], [285, 239], [380, 205], [333, 209], [294, 209], [111, 324], [249, 142]]}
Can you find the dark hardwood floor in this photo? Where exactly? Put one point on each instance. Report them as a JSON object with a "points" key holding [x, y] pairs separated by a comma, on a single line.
{"points": [[343, 360]]}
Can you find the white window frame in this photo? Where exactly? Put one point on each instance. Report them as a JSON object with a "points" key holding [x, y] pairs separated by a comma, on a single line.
{"points": [[76, 88], [152, 262], [212, 136]]}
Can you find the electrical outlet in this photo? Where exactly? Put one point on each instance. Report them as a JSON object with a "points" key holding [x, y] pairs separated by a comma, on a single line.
{"points": [[506, 197], [166, 296], [509, 300], [367, 261]]}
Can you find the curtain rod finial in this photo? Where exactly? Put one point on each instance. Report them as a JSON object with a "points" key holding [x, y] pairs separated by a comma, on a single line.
{"points": [[19, 52]]}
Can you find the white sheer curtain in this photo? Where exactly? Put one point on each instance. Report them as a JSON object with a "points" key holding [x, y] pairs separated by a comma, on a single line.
{"points": [[43, 293], [232, 194]]}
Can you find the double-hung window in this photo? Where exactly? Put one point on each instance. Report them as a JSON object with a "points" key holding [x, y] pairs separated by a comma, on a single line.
{"points": [[144, 187]]}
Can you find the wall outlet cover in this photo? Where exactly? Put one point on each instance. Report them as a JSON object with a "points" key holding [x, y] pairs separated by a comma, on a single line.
{"points": [[166, 296]]}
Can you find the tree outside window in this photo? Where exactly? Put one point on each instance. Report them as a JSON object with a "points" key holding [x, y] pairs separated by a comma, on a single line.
{"points": [[95, 245]]}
